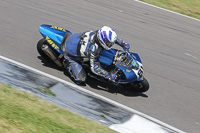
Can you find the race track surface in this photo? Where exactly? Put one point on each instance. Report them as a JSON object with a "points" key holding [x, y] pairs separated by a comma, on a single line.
{"points": [[167, 43]]}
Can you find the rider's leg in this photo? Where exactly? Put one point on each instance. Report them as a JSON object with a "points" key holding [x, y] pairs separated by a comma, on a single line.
{"points": [[76, 70]]}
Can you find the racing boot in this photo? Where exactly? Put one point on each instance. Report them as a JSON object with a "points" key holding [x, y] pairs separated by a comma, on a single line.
{"points": [[76, 71]]}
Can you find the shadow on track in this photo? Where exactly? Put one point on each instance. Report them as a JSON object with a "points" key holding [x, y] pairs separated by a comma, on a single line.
{"points": [[114, 89], [49, 63], [95, 84]]}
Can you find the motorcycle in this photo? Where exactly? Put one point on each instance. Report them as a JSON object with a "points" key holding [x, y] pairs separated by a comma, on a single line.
{"points": [[125, 64]]}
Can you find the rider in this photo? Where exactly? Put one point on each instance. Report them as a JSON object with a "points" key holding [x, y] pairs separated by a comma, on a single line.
{"points": [[86, 46]]}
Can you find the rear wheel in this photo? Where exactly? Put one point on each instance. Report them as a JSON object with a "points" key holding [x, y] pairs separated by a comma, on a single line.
{"points": [[138, 86], [40, 43]]}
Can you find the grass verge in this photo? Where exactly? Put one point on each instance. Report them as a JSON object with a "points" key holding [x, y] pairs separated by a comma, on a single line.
{"points": [[186, 7], [21, 112], [46, 90]]}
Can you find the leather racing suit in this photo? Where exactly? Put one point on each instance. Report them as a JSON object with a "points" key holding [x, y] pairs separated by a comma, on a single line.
{"points": [[85, 47]]}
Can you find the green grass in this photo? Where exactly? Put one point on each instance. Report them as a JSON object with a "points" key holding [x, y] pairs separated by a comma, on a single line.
{"points": [[46, 90], [21, 112], [187, 7]]}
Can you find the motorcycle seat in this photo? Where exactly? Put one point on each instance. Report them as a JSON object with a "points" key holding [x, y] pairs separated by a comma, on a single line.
{"points": [[62, 45]]}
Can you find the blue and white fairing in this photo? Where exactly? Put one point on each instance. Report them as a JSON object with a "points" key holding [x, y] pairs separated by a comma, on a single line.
{"points": [[129, 63], [54, 35]]}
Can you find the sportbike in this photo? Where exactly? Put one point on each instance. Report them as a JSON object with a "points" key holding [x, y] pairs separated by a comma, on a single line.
{"points": [[125, 64]]}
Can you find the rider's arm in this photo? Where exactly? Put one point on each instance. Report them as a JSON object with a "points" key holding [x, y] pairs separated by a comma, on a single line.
{"points": [[95, 65], [123, 44]]}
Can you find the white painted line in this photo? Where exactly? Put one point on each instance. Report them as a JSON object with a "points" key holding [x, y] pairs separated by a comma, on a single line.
{"points": [[138, 124], [102, 121], [191, 55], [167, 10], [92, 93]]}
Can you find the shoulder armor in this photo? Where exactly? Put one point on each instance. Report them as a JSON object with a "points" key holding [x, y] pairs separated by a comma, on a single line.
{"points": [[93, 49]]}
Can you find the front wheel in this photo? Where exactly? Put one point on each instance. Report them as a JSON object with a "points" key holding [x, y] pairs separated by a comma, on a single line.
{"points": [[138, 86]]}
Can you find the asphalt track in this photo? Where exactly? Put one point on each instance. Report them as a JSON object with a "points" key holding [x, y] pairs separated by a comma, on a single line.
{"points": [[167, 43]]}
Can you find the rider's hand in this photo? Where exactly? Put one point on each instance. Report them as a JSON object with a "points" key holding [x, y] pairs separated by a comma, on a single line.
{"points": [[126, 47]]}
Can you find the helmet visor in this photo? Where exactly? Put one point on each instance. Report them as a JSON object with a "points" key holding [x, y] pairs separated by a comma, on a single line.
{"points": [[109, 44]]}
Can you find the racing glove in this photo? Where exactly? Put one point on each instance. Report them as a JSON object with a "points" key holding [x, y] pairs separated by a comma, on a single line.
{"points": [[126, 47]]}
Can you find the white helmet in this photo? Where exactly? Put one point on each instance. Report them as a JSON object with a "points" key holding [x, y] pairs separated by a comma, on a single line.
{"points": [[107, 37]]}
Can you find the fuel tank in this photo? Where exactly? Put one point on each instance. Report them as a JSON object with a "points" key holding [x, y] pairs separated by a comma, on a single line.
{"points": [[106, 57]]}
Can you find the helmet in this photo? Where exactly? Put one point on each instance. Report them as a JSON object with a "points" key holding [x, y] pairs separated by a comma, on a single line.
{"points": [[107, 37]]}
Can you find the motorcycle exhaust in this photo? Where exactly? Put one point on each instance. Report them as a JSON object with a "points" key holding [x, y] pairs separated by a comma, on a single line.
{"points": [[51, 54]]}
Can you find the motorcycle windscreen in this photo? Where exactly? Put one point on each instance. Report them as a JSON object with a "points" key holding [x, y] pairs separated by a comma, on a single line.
{"points": [[54, 35], [106, 57]]}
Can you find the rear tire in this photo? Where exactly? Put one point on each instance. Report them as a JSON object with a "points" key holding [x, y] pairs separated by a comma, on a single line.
{"points": [[40, 43], [138, 86]]}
